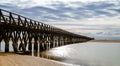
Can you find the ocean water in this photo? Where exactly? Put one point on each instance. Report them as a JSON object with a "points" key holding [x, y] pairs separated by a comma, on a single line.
{"points": [[88, 54], [85, 54]]}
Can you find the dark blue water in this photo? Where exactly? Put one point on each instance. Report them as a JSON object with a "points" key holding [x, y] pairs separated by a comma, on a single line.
{"points": [[89, 54]]}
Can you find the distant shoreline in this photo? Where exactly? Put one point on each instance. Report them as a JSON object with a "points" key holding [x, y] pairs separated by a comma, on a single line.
{"points": [[117, 41]]}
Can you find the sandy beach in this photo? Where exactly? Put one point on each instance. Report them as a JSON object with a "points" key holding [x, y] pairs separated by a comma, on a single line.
{"points": [[10, 59]]}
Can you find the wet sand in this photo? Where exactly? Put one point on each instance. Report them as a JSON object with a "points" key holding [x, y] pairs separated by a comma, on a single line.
{"points": [[11, 59]]}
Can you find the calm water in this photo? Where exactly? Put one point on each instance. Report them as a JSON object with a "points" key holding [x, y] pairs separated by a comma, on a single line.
{"points": [[86, 54], [89, 54]]}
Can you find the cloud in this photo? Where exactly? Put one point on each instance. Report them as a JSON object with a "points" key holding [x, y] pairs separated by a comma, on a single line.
{"points": [[104, 29], [34, 3], [60, 11], [94, 18]]}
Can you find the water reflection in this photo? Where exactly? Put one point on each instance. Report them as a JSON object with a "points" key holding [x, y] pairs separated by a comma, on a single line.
{"points": [[89, 54]]}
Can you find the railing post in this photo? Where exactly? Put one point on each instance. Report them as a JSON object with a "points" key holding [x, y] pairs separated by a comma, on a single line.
{"points": [[18, 20], [2, 16], [10, 18]]}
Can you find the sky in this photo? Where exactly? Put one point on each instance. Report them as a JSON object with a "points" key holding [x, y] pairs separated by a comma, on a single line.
{"points": [[99, 19]]}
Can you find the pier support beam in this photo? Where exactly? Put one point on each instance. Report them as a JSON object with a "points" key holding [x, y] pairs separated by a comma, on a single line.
{"points": [[0, 46], [32, 49], [6, 45], [38, 50], [15, 47], [0, 43]]}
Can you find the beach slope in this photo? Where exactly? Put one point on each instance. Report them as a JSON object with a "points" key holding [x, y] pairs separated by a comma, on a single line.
{"points": [[24, 60]]}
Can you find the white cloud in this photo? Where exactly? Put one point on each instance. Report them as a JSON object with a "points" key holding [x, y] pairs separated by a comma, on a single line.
{"points": [[93, 21], [5, 1], [31, 3], [69, 14]]}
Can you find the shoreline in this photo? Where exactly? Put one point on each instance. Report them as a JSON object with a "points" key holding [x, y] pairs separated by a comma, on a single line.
{"points": [[116, 41], [12, 59]]}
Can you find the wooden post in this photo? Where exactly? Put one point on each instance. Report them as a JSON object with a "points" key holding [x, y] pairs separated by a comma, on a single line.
{"points": [[15, 46], [32, 49], [6, 46], [0, 46], [38, 50]]}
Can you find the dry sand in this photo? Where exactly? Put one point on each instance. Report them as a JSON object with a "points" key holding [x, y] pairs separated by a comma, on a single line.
{"points": [[8, 59]]}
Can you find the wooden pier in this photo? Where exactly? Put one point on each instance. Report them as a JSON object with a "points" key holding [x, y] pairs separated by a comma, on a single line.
{"points": [[36, 35]]}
